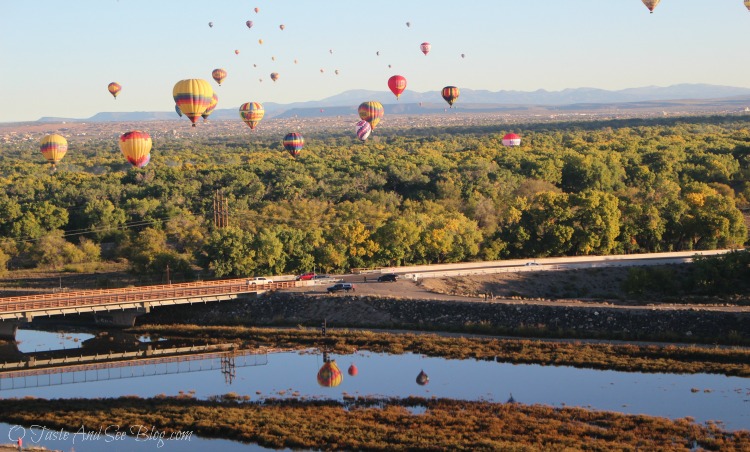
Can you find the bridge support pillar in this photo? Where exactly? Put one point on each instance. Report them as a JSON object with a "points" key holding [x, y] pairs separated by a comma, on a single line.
{"points": [[119, 318], [8, 329]]}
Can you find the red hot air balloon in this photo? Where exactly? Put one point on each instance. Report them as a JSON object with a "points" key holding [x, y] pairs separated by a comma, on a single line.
{"points": [[450, 94], [353, 371], [294, 142], [425, 47], [397, 84], [422, 378], [257, 10], [219, 75], [511, 139], [114, 88], [329, 376]]}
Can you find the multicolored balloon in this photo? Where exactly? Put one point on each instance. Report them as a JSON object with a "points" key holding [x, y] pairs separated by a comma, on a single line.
{"points": [[450, 94], [422, 378], [193, 96], [397, 84], [363, 130], [237, 52], [211, 107], [274, 76], [282, 27], [747, 4], [249, 24], [114, 88], [177, 109], [294, 142], [257, 10], [136, 147], [329, 376], [371, 112], [425, 47], [260, 41], [511, 139], [219, 75], [651, 4], [251, 113], [53, 148]]}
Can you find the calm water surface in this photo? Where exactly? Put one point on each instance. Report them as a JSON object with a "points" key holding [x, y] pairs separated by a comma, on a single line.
{"points": [[293, 374]]}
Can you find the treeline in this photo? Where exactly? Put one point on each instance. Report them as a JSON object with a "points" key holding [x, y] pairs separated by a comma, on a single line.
{"points": [[407, 197]]}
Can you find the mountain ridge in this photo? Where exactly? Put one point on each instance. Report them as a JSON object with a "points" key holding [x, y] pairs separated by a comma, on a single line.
{"points": [[493, 100]]}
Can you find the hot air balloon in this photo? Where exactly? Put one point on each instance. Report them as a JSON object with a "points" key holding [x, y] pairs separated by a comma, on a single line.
{"points": [[408, 24], [211, 107], [219, 75], [274, 76], [336, 72], [177, 109], [295, 61], [114, 88], [53, 148], [330, 51], [237, 52], [136, 147], [371, 112], [363, 130], [511, 139], [321, 70], [249, 24], [450, 94], [397, 84], [257, 10], [422, 378], [294, 142], [463, 55], [353, 371], [651, 4], [193, 96], [211, 24], [282, 27], [425, 47], [329, 375], [389, 66], [260, 41], [252, 113], [747, 4], [273, 58]]}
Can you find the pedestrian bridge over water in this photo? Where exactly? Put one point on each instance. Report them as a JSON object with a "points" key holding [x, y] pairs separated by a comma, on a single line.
{"points": [[121, 306]]}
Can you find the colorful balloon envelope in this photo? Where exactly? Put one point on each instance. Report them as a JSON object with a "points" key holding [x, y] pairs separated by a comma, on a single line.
{"points": [[236, 52], [450, 94], [363, 130], [249, 24], [252, 113], [294, 142], [193, 96], [114, 88], [425, 47], [260, 41], [282, 27], [371, 112], [177, 109], [422, 378], [747, 4], [274, 76], [219, 75], [53, 148], [330, 376], [651, 4], [397, 84], [511, 139], [257, 10], [136, 147], [353, 371], [214, 102]]}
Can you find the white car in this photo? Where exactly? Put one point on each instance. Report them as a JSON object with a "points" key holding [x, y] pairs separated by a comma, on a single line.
{"points": [[259, 280], [529, 264]]}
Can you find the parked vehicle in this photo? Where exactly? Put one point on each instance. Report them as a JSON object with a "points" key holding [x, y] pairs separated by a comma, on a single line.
{"points": [[390, 277], [306, 276], [346, 287], [531, 264], [259, 280]]}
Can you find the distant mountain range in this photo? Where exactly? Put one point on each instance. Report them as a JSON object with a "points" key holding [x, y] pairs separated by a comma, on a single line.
{"points": [[474, 100]]}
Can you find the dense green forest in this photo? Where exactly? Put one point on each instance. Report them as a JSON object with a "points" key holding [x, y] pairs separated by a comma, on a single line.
{"points": [[407, 197]]}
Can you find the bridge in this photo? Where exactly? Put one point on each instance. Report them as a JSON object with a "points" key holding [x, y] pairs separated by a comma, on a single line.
{"points": [[121, 306]]}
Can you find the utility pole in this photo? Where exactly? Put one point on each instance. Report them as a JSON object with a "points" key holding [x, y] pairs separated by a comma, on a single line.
{"points": [[168, 280]]}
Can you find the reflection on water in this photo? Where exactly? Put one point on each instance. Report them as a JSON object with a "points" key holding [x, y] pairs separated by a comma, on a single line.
{"points": [[292, 374]]}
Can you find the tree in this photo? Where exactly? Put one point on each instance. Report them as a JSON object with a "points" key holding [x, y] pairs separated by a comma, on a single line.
{"points": [[228, 252]]}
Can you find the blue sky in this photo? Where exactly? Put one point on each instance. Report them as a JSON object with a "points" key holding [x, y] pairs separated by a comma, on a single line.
{"points": [[58, 56]]}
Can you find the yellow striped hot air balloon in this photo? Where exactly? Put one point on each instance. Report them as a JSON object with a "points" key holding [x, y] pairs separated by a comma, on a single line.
{"points": [[252, 113], [651, 4], [450, 94], [747, 4], [136, 147], [219, 75], [211, 108], [371, 112], [330, 375], [53, 148], [193, 96], [114, 88]]}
